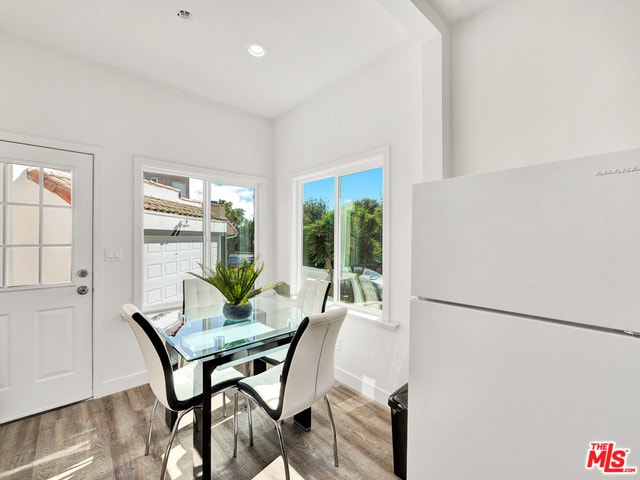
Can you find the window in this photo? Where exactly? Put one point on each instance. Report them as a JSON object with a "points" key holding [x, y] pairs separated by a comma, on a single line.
{"points": [[36, 228], [188, 218], [341, 229]]}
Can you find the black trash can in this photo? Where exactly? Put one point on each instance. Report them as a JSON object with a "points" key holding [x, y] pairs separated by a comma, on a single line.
{"points": [[399, 403]]}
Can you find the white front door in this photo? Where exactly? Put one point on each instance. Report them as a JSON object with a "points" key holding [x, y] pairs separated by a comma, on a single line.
{"points": [[45, 278]]}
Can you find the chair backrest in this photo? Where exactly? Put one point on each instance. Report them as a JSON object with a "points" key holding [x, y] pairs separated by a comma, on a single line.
{"points": [[308, 371], [312, 296], [156, 359], [198, 293]]}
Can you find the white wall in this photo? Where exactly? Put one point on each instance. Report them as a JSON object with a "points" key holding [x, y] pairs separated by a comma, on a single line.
{"points": [[435, 109], [53, 95], [381, 105], [543, 80]]}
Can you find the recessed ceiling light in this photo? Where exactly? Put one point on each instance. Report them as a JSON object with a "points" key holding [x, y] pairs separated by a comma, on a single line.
{"points": [[184, 14], [257, 49]]}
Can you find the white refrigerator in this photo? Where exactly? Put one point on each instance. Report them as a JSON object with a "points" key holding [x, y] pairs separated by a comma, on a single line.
{"points": [[525, 323]]}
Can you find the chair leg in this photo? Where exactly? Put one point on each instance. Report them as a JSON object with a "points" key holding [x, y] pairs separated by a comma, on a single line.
{"points": [[250, 416], [153, 412], [224, 404], [174, 430], [235, 424], [333, 427], [284, 450]]}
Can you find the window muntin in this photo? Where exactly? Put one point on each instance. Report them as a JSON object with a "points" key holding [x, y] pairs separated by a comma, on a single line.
{"points": [[355, 262]]}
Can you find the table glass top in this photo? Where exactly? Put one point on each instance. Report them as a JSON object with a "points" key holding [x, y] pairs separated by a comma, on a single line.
{"points": [[200, 332]]}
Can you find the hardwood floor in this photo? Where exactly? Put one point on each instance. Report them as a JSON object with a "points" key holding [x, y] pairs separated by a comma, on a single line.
{"points": [[105, 438]]}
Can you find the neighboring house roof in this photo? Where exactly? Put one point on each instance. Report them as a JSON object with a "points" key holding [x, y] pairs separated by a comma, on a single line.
{"points": [[185, 207], [55, 183], [60, 185], [175, 208]]}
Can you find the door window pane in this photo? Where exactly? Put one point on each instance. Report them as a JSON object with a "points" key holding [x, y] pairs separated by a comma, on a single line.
{"points": [[58, 183], [23, 266], [23, 222], [23, 184], [56, 225], [56, 265]]}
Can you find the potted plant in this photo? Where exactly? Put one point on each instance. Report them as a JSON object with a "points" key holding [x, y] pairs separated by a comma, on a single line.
{"points": [[236, 283]]}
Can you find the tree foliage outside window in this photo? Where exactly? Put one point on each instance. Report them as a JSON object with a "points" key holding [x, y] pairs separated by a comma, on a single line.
{"points": [[318, 235], [242, 243]]}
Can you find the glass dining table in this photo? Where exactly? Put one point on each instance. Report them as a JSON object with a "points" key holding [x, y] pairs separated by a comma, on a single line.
{"points": [[204, 334]]}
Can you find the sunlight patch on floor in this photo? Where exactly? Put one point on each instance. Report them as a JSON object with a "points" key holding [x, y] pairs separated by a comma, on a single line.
{"points": [[173, 470], [275, 471], [69, 472], [80, 447]]}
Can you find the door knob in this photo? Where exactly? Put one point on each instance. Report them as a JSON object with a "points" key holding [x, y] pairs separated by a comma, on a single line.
{"points": [[82, 290]]}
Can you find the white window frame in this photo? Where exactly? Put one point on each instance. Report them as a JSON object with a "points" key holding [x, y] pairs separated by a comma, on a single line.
{"points": [[379, 157], [208, 176]]}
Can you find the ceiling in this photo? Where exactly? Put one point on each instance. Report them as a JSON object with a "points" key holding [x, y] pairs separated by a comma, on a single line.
{"points": [[312, 45]]}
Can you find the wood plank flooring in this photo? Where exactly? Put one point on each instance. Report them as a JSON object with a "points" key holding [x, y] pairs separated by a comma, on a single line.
{"points": [[105, 438]]}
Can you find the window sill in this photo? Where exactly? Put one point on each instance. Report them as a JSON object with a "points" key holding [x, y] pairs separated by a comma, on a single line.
{"points": [[373, 318]]}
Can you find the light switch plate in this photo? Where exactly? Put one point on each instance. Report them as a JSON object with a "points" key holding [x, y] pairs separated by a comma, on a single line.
{"points": [[113, 254]]}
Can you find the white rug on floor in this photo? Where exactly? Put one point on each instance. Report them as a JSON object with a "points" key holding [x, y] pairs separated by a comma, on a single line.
{"points": [[275, 471]]}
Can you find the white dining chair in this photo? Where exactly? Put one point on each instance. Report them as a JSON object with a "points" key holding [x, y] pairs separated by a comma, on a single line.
{"points": [[178, 390], [313, 294], [306, 376], [197, 293], [312, 298]]}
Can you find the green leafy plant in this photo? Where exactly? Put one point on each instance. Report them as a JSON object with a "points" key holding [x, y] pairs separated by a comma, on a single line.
{"points": [[235, 283]]}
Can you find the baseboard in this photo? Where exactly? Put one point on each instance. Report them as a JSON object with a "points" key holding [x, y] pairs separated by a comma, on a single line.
{"points": [[362, 386], [119, 384]]}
